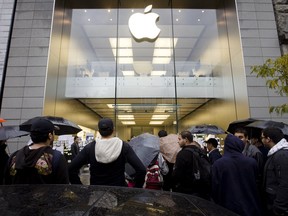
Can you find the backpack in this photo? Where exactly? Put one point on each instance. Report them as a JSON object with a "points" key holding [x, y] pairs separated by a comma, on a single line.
{"points": [[201, 168], [153, 178]]}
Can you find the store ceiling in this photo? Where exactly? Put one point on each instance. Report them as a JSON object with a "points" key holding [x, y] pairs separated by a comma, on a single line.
{"points": [[143, 109]]}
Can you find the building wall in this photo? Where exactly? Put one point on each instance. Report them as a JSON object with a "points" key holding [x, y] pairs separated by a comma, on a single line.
{"points": [[6, 9], [259, 41], [23, 96]]}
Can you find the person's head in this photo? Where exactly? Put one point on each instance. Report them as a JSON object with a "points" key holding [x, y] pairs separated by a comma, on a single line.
{"points": [[233, 144], [242, 134], [76, 139], [162, 133], [185, 138], [106, 127], [271, 136], [212, 143], [42, 131]]}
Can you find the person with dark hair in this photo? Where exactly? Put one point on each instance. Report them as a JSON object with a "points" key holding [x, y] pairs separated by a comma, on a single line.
{"points": [[184, 173], [38, 163], [75, 147], [275, 181], [107, 157], [234, 180], [214, 153], [250, 150], [162, 133]]}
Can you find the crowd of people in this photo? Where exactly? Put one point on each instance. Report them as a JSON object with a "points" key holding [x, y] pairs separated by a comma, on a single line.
{"points": [[243, 179]]}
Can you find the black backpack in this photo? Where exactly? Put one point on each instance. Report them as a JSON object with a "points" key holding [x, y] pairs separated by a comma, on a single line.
{"points": [[201, 168]]}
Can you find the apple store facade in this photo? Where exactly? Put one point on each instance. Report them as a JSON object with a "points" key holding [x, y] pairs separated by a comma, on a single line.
{"points": [[148, 65]]}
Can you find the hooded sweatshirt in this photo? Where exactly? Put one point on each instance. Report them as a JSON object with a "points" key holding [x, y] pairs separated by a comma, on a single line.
{"points": [[36, 166], [107, 159], [234, 179]]}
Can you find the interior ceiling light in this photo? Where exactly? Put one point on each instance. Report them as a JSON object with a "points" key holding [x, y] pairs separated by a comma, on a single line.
{"points": [[164, 108], [126, 117], [158, 73], [159, 117], [125, 60], [128, 73], [161, 60], [156, 122], [122, 52], [165, 42], [162, 52], [128, 122], [122, 42]]}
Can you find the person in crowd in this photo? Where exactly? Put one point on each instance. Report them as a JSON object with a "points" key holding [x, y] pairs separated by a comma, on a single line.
{"points": [[3, 159], [250, 150], [214, 153], [38, 163], [183, 173], [275, 175], [167, 178], [107, 157], [75, 147], [162, 133], [234, 180], [257, 142]]}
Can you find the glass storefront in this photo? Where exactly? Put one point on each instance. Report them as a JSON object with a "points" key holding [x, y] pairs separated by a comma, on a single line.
{"points": [[109, 63]]}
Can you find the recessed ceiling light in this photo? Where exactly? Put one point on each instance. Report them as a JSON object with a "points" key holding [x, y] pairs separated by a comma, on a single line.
{"points": [[85, 11], [128, 122], [160, 117], [158, 73], [156, 122], [128, 73], [132, 10], [110, 19], [88, 20], [198, 20], [126, 117], [109, 10], [203, 11], [179, 11], [177, 20]]}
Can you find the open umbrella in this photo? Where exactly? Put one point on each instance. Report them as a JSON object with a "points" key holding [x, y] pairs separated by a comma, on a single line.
{"points": [[239, 124], [206, 129], [65, 126], [146, 146], [262, 124], [169, 147], [1, 121], [8, 132]]}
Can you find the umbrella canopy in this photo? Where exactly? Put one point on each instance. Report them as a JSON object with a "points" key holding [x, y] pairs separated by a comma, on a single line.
{"points": [[239, 124], [8, 132], [206, 129], [169, 147], [147, 147], [262, 124], [65, 126]]}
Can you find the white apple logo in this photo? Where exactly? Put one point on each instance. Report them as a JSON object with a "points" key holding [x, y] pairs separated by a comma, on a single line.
{"points": [[144, 25]]}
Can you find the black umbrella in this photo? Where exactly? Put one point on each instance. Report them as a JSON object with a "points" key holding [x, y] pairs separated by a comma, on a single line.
{"points": [[65, 126], [206, 129], [8, 132], [239, 124], [262, 124]]}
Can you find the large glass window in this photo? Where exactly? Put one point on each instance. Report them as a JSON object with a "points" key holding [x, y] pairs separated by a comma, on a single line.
{"points": [[111, 65]]}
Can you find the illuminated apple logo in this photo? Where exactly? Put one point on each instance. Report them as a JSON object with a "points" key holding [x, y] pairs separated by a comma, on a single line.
{"points": [[143, 25]]}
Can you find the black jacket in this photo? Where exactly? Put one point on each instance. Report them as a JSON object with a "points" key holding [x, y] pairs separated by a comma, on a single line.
{"points": [[214, 155], [36, 166], [107, 173], [183, 175], [276, 182]]}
